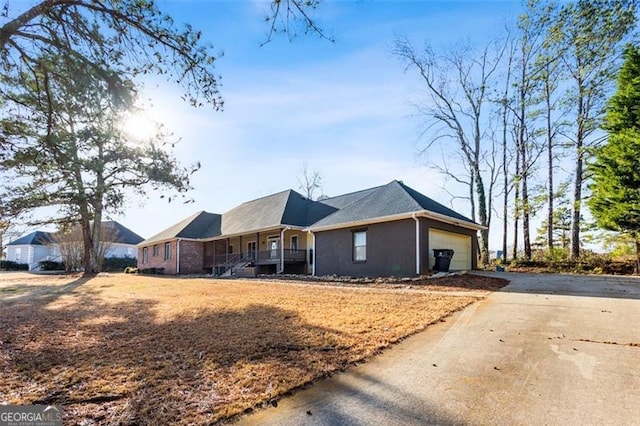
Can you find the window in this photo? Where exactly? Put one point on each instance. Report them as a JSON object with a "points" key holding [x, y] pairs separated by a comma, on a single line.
{"points": [[360, 246], [230, 249], [145, 254], [156, 251], [18, 255], [294, 243], [167, 251]]}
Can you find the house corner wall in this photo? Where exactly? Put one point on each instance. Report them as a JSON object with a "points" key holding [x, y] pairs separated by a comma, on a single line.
{"points": [[191, 257], [391, 251]]}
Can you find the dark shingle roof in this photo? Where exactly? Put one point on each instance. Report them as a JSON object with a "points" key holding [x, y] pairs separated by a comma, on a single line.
{"points": [[388, 200], [37, 238], [121, 234], [290, 208], [198, 225], [433, 206], [283, 208], [342, 201]]}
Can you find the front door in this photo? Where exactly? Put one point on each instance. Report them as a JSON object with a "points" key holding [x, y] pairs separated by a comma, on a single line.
{"points": [[251, 249], [274, 248]]}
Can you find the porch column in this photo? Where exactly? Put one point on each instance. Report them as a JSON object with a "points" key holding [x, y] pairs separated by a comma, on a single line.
{"points": [[417, 244], [282, 250], [313, 247], [257, 253]]}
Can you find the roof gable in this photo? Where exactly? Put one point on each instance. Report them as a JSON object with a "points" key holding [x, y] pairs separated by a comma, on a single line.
{"points": [[433, 206], [395, 198], [194, 226], [37, 238], [120, 234], [283, 208]]}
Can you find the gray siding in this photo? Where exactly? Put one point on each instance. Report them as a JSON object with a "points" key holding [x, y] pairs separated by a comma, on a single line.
{"points": [[391, 249]]}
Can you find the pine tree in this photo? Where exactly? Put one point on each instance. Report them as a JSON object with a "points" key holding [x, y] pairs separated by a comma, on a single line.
{"points": [[615, 202]]}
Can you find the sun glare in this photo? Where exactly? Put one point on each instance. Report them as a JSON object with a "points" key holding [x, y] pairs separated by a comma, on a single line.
{"points": [[139, 126]]}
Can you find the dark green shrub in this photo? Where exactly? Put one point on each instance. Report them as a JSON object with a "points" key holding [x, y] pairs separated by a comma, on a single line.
{"points": [[113, 264], [8, 265], [48, 265], [152, 271]]}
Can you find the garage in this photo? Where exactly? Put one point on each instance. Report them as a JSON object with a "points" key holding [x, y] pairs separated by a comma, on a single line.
{"points": [[459, 243]]}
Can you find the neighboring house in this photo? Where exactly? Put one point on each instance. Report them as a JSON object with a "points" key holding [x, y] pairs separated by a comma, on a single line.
{"points": [[31, 249], [122, 240], [382, 231], [42, 246]]}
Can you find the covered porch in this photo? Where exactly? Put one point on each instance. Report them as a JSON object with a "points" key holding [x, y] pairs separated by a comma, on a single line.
{"points": [[271, 251]]}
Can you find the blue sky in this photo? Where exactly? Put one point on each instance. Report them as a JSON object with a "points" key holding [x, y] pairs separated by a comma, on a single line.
{"points": [[344, 107]]}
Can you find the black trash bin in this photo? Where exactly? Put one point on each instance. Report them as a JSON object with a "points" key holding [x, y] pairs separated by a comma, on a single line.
{"points": [[443, 259]]}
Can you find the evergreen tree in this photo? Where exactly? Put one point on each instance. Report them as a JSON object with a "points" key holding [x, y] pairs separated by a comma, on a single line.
{"points": [[615, 202]]}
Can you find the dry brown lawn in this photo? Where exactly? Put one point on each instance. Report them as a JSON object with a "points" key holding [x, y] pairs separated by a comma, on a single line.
{"points": [[125, 349]]}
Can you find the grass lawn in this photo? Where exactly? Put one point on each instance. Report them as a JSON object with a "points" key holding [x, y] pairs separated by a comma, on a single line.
{"points": [[126, 349]]}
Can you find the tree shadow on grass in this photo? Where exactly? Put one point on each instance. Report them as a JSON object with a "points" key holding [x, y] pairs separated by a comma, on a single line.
{"points": [[25, 293], [122, 363]]}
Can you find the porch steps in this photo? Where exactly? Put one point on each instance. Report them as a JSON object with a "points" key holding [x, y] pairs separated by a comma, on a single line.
{"points": [[245, 272]]}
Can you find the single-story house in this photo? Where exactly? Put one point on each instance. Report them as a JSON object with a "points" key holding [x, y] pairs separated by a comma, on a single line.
{"points": [[389, 230], [42, 246]]}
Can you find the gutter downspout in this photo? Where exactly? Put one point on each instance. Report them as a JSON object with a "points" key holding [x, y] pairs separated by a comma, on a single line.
{"points": [[178, 256], [417, 243], [282, 248]]}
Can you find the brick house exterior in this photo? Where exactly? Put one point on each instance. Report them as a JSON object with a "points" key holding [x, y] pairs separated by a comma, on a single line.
{"points": [[388, 228]]}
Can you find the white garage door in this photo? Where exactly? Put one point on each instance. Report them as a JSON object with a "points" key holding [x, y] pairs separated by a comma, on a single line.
{"points": [[459, 243]]}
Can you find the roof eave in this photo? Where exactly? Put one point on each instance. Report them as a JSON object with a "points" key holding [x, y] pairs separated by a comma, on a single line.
{"points": [[164, 240], [401, 216], [253, 231]]}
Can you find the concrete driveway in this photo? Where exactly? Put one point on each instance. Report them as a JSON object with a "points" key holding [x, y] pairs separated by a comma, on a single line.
{"points": [[547, 349]]}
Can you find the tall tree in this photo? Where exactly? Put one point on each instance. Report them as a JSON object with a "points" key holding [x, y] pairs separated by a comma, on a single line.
{"points": [[615, 199], [593, 33], [548, 77], [70, 152], [309, 181], [531, 37], [507, 183], [456, 111], [147, 40]]}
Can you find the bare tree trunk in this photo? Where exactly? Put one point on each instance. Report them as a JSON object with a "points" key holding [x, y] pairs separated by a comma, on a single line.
{"points": [[472, 198], [505, 167], [526, 233], [483, 216], [87, 243], [550, 225], [522, 147], [577, 184], [516, 205], [637, 238]]}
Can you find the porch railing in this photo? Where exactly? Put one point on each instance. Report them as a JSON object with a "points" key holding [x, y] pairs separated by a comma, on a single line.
{"points": [[264, 256]]}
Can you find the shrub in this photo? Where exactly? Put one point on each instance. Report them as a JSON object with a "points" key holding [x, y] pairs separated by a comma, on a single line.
{"points": [[48, 265], [8, 265], [113, 264], [152, 271]]}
